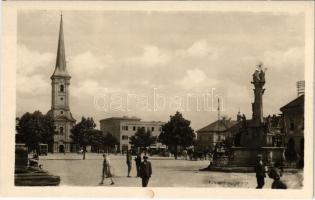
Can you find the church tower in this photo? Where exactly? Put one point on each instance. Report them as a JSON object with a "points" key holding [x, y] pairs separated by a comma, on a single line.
{"points": [[60, 110]]}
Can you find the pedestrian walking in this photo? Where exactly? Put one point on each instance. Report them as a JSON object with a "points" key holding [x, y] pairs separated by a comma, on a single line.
{"points": [[145, 171], [138, 164], [129, 162], [211, 159], [185, 154], [106, 172], [260, 172]]}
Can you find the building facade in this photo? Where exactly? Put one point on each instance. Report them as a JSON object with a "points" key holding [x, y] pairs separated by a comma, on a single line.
{"points": [[60, 110], [209, 136], [122, 128], [293, 116]]}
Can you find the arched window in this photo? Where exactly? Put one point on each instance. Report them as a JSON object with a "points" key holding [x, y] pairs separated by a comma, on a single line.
{"points": [[62, 88], [61, 130]]}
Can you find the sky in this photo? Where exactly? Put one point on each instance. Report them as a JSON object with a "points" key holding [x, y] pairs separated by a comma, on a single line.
{"points": [[151, 64]]}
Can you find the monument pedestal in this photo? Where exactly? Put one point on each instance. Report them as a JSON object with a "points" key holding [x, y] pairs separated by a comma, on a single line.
{"points": [[243, 159], [246, 157], [26, 175]]}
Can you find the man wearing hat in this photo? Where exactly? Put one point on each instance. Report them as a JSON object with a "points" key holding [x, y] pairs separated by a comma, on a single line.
{"points": [[145, 171], [260, 172]]}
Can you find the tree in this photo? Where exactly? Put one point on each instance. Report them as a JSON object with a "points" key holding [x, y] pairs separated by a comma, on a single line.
{"points": [[177, 132], [109, 141], [82, 132], [34, 128], [95, 138], [142, 138]]}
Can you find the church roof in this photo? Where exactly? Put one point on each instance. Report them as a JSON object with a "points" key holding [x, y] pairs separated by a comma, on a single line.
{"points": [[61, 65], [218, 126]]}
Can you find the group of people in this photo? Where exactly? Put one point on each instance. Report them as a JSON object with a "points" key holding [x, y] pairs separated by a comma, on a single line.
{"points": [[274, 173], [144, 168]]}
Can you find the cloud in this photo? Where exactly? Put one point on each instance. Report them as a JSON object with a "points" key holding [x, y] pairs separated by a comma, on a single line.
{"points": [[35, 85], [91, 88], [32, 68], [200, 49], [195, 78], [87, 88], [151, 56], [87, 64], [283, 59], [31, 62]]}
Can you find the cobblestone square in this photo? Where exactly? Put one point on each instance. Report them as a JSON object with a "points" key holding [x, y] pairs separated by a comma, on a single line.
{"points": [[167, 172]]}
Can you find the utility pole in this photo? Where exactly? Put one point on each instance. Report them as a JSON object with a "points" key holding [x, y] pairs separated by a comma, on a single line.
{"points": [[218, 109]]}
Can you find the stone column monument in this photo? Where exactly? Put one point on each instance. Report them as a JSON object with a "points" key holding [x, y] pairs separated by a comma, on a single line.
{"points": [[253, 134]]}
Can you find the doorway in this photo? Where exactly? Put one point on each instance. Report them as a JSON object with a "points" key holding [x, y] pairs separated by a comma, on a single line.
{"points": [[61, 148]]}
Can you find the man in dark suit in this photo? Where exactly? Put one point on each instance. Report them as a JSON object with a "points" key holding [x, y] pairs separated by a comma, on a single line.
{"points": [[138, 164], [260, 172], [145, 171]]}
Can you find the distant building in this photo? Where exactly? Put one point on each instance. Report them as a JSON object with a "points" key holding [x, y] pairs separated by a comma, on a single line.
{"points": [[293, 115], [275, 131], [60, 110], [124, 127], [218, 131]]}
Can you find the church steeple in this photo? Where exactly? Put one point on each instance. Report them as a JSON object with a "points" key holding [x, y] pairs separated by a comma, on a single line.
{"points": [[61, 65], [60, 109]]}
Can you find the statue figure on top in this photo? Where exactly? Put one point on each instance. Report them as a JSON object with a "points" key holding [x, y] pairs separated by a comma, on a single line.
{"points": [[259, 74]]}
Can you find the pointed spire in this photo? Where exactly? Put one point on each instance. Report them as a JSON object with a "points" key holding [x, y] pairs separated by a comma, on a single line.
{"points": [[61, 65]]}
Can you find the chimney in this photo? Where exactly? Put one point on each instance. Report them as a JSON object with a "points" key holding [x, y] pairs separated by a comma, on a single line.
{"points": [[300, 86]]}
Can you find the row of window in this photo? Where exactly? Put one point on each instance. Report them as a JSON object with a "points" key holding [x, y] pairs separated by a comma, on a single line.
{"points": [[134, 128]]}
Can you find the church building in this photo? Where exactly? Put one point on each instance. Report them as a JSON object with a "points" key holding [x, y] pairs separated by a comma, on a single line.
{"points": [[60, 110]]}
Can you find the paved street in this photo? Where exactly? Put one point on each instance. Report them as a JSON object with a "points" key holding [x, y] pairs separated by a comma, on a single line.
{"points": [[167, 172]]}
